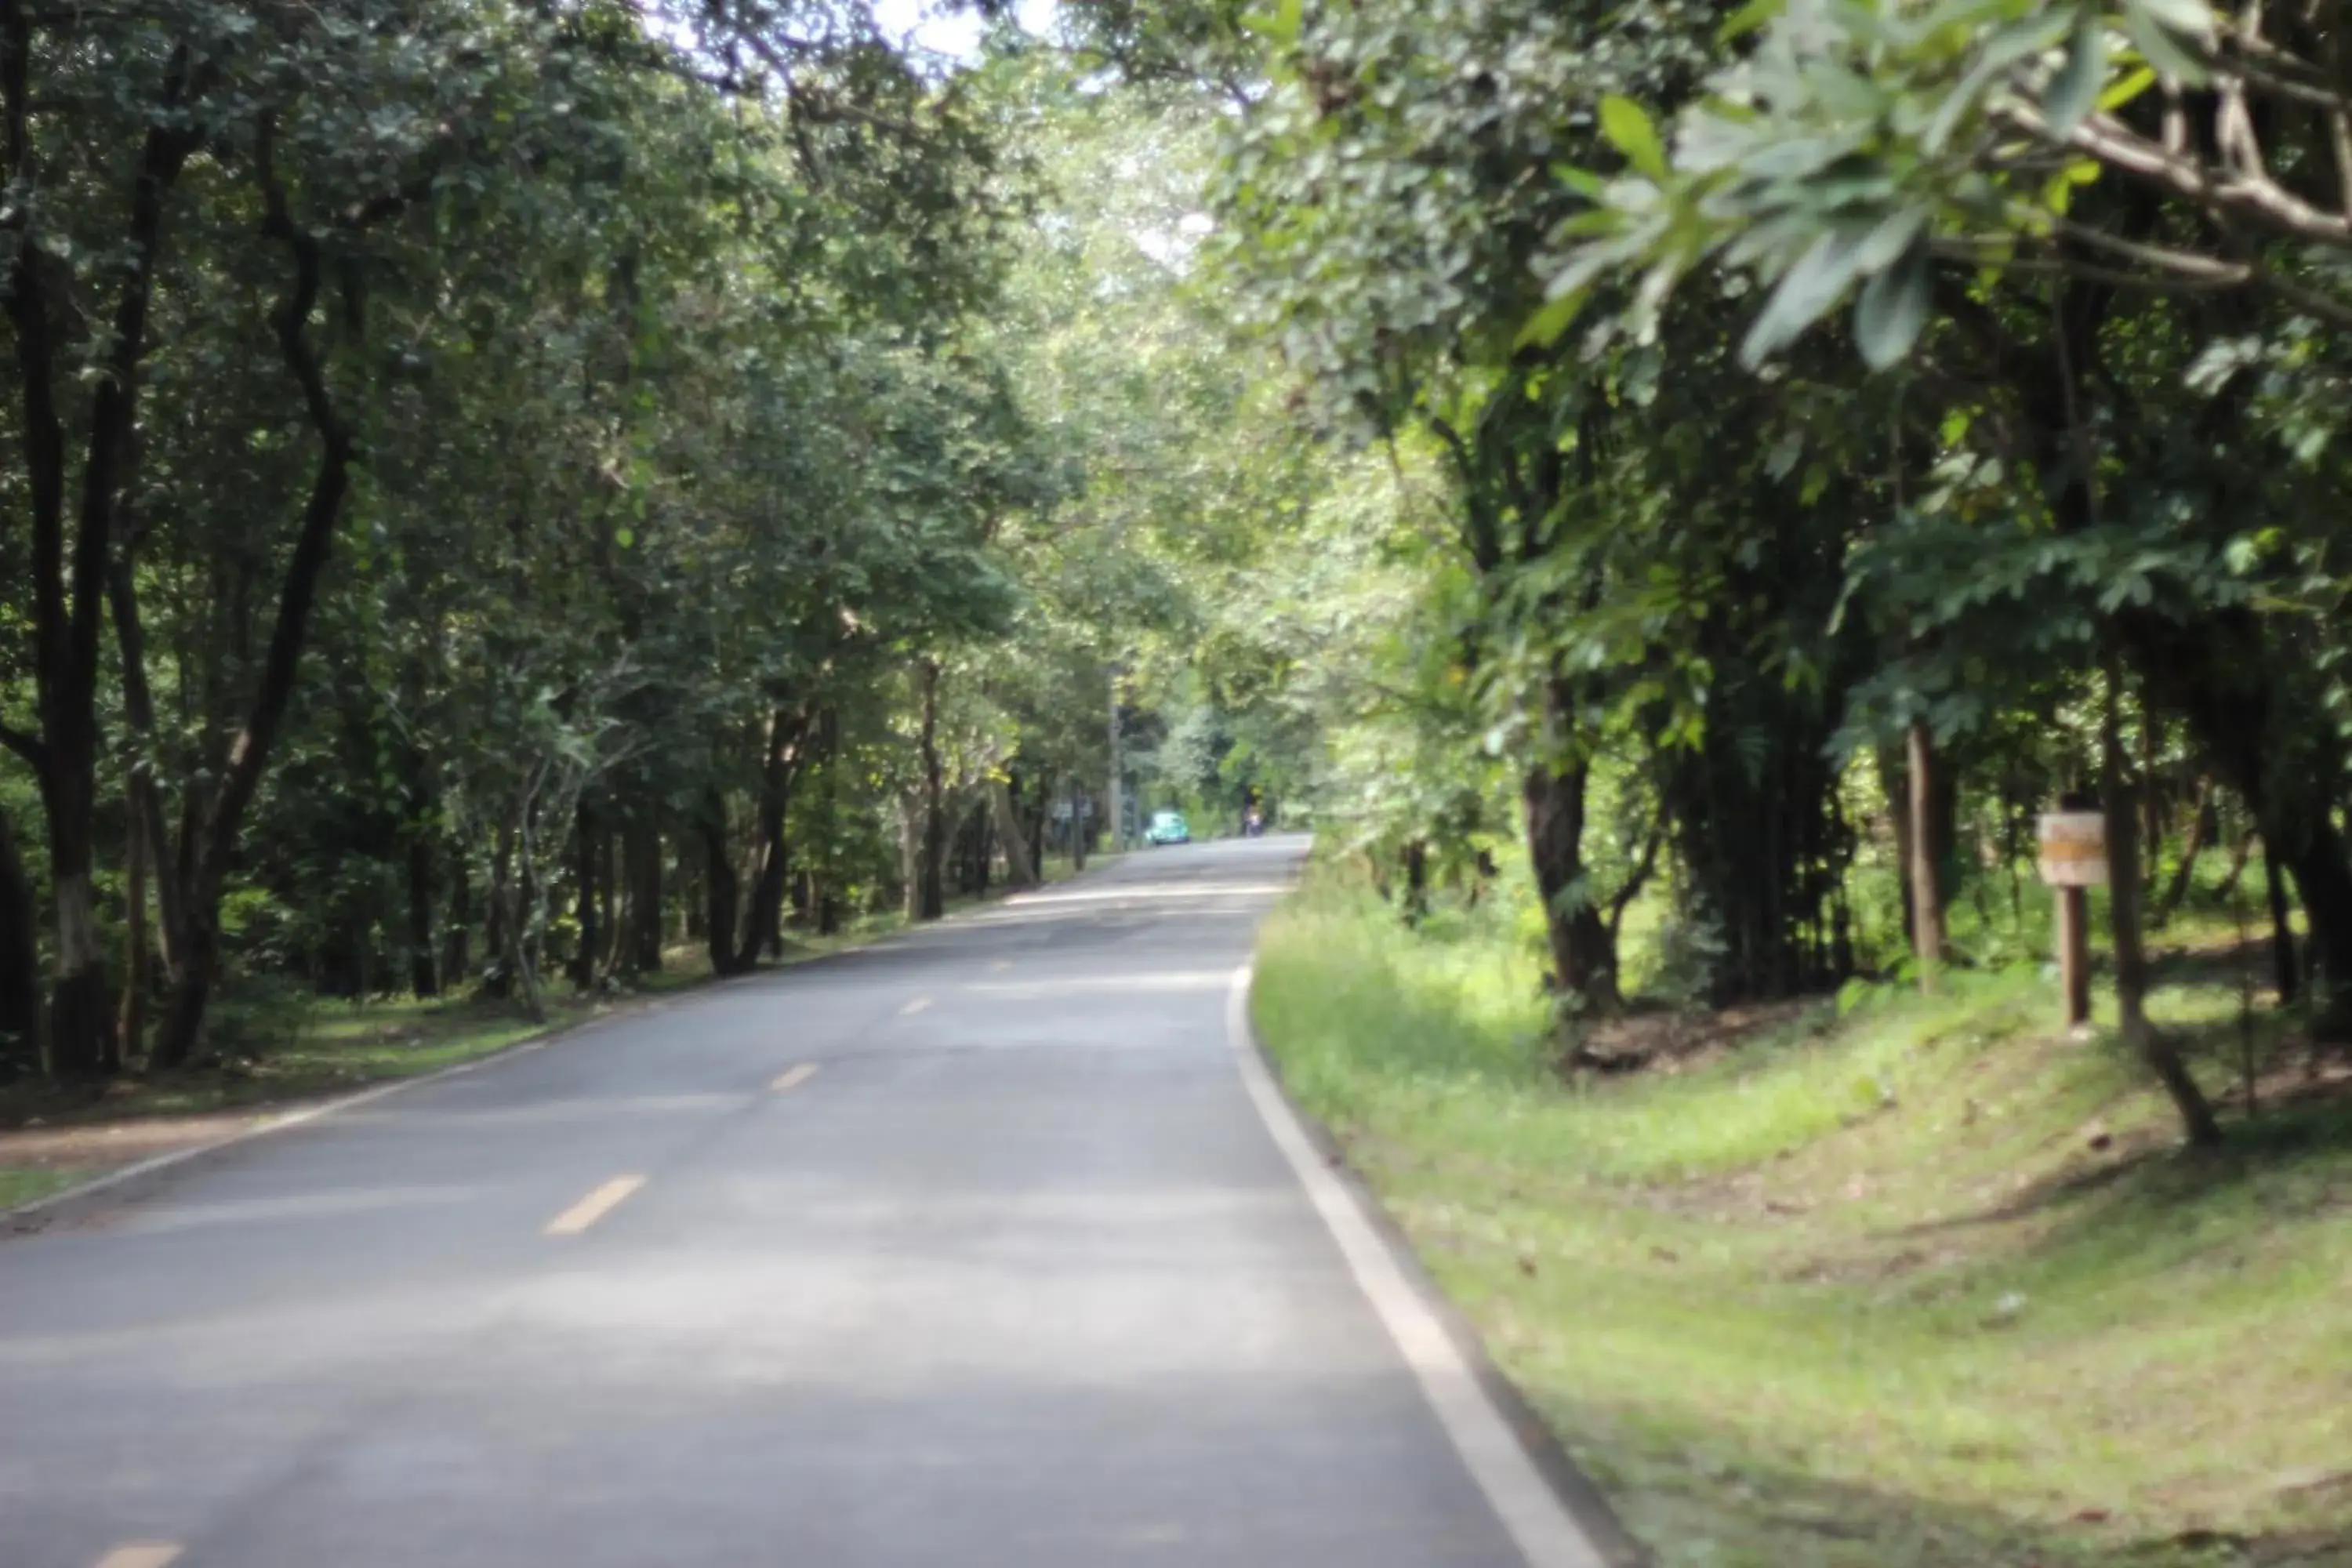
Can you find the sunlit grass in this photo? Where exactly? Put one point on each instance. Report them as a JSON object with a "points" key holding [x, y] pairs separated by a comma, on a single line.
{"points": [[1926, 1283]]}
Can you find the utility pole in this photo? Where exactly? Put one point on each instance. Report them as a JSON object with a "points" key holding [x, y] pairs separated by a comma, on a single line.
{"points": [[1118, 805]]}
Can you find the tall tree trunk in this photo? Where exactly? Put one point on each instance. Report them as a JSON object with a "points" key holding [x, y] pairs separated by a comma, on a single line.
{"points": [[2121, 806], [2283, 966], [20, 963], [67, 596], [641, 849], [1584, 960], [585, 905], [764, 921], [719, 885], [501, 980], [1894, 777], [248, 755], [424, 977], [1928, 939], [930, 893], [1077, 832], [608, 892], [1020, 871], [2185, 875], [132, 1025], [513, 891], [910, 853], [457, 955], [2227, 888], [142, 799]]}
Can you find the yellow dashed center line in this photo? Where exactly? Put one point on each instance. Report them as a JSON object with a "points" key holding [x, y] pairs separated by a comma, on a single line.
{"points": [[791, 1078], [1000, 966], [917, 1006], [594, 1207], [141, 1554]]}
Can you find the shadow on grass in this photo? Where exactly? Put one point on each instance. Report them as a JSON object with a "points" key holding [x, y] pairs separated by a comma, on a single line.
{"points": [[1694, 1504]]}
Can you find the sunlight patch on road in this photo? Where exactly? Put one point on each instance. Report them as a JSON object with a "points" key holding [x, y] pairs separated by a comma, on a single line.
{"points": [[594, 1207], [141, 1554], [792, 1077]]}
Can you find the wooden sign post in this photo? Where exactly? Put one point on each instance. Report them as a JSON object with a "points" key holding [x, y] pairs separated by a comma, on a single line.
{"points": [[2073, 858]]}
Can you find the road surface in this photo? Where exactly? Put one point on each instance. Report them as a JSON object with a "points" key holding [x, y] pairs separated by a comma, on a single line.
{"points": [[976, 1248]]}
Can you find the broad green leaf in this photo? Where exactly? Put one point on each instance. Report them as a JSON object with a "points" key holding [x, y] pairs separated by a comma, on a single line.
{"points": [[2076, 88], [2157, 45], [1755, 13], [1893, 309], [2133, 83], [1627, 126], [1544, 328], [2191, 16], [1805, 294]]}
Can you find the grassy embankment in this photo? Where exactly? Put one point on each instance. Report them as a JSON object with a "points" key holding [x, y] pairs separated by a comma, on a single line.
{"points": [[1904, 1282], [295, 1050]]}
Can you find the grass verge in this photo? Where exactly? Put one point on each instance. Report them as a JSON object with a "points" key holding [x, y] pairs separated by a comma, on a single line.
{"points": [[1908, 1283]]}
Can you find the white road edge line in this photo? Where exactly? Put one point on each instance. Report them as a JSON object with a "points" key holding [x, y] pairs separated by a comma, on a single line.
{"points": [[1539, 1523]]}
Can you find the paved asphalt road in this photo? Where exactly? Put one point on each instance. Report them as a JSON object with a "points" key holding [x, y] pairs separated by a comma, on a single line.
{"points": [[974, 1249]]}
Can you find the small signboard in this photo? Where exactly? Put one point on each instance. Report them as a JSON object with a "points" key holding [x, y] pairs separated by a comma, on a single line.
{"points": [[2074, 845]]}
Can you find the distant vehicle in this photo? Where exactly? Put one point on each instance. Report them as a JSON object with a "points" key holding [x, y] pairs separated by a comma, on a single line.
{"points": [[1167, 828]]}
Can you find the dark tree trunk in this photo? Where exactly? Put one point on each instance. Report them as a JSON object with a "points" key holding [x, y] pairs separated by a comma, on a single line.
{"points": [[248, 755], [1896, 778], [2282, 956], [764, 924], [2323, 884], [67, 598], [1584, 960], [144, 801], [424, 977], [456, 957], [1416, 879], [641, 849], [1077, 832], [496, 944], [719, 887], [132, 1026], [20, 963], [608, 893], [2227, 888], [2184, 876], [586, 905], [2122, 808], [1020, 870], [930, 899], [1927, 881]]}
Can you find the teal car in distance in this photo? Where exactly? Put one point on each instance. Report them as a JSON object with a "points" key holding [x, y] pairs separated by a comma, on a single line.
{"points": [[1168, 827]]}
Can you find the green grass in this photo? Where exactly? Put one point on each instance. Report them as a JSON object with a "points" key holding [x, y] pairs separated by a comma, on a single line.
{"points": [[1912, 1283], [22, 1185]]}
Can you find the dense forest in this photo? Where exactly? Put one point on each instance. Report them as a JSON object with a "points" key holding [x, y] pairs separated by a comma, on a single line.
{"points": [[499, 493]]}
